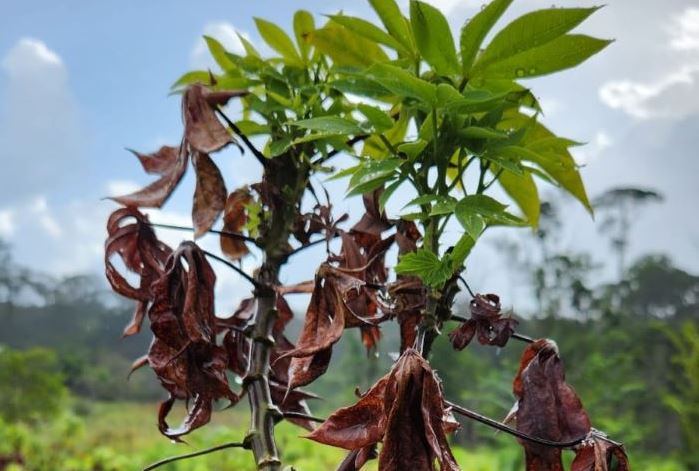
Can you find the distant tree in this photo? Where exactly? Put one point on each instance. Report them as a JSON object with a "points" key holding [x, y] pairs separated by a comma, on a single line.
{"points": [[31, 384], [618, 208]]}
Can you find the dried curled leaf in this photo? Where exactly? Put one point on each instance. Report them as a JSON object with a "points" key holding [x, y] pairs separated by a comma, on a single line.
{"points": [[597, 453], [405, 411], [486, 322], [234, 219], [209, 194], [168, 162], [547, 407], [184, 354], [142, 253], [203, 131]]}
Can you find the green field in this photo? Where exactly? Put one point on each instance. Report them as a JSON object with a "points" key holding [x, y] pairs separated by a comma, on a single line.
{"points": [[123, 436]]}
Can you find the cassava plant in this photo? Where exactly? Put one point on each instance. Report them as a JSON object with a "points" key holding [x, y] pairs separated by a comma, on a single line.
{"points": [[429, 123]]}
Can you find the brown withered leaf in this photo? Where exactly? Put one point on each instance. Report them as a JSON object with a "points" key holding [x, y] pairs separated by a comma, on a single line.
{"points": [[547, 407], [323, 326], [405, 411], [486, 322], [202, 130], [131, 237], [355, 459], [209, 194], [168, 162], [408, 292], [597, 453], [184, 354], [373, 222], [234, 219]]}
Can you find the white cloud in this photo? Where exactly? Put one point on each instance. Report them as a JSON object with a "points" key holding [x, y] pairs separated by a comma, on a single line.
{"points": [[40, 209], [592, 150], [121, 187], [225, 33], [685, 30], [40, 135], [7, 223], [671, 95]]}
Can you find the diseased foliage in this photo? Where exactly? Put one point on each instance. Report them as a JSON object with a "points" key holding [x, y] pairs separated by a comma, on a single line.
{"points": [[432, 116]]}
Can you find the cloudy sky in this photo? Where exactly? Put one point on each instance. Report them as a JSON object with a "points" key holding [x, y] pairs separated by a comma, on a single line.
{"points": [[80, 81]]}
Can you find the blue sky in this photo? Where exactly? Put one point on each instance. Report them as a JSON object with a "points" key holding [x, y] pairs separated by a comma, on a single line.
{"points": [[80, 81]]}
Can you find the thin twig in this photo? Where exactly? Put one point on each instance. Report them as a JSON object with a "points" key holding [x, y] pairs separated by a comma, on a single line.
{"points": [[504, 428], [523, 338], [258, 155], [468, 288], [237, 269], [193, 455], [232, 235], [495, 178], [302, 416]]}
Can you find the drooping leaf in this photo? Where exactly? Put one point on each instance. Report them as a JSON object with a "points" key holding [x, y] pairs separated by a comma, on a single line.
{"points": [[203, 131], [547, 407], [218, 52], [168, 162], [522, 189], [234, 219], [433, 37], [486, 323], [141, 252], [209, 194], [405, 411], [597, 453]]}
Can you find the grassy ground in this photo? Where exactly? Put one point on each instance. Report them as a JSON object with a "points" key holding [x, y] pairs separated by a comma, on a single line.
{"points": [[124, 437]]}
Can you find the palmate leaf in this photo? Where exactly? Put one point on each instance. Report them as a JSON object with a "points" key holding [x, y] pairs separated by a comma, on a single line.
{"points": [[425, 264], [368, 30], [394, 21], [278, 40], [530, 31], [523, 191], [219, 53], [433, 38], [474, 32], [346, 48], [562, 53]]}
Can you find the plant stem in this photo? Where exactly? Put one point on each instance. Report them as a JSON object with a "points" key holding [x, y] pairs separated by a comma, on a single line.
{"points": [[193, 455]]}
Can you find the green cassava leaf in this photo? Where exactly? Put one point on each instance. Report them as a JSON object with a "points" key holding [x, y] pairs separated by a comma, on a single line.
{"points": [[427, 266], [474, 32], [218, 52], [379, 119], [345, 47], [523, 191], [402, 83], [388, 192], [304, 25], [433, 38], [394, 21], [562, 53], [330, 124], [368, 30], [461, 251], [530, 31], [278, 40]]}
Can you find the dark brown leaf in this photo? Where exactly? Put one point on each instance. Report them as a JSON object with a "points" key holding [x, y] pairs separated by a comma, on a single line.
{"points": [[131, 237], [202, 130], [184, 354], [234, 219], [487, 323], [547, 407], [168, 162], [405, 410], [209, 195], [597, 453]]}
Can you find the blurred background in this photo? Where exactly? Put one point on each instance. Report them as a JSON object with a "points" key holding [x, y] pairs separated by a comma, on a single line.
{"points": [[80, 81]]}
